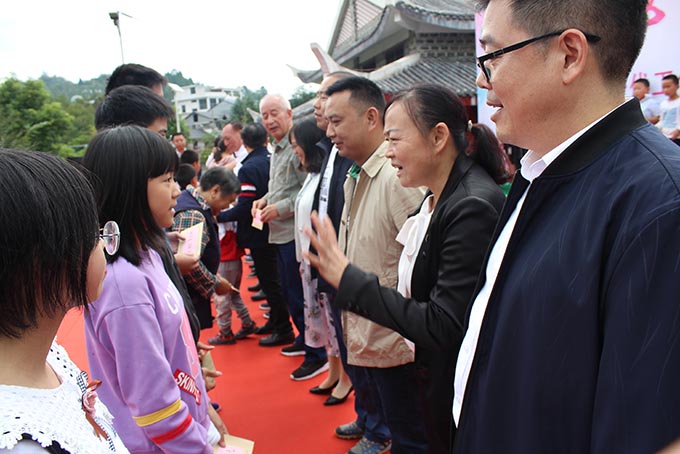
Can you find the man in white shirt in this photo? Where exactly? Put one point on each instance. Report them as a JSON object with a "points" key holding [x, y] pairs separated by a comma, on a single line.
{"points": [[231, 135], [571, 341]]}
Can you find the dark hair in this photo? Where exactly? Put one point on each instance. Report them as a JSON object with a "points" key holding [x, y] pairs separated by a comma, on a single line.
{"points": [[362, 91], [121, 162], [487, 151], [430, 104], [254, 135], [184, 174], [131, 105], [189, 157], [642, 81], [175, 134], [672, 77], [621, 25], [48, 231], [307, 135], [134, 74], [223, 177]]}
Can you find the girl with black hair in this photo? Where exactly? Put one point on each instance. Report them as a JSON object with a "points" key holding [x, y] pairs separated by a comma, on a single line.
{"points": [[52, 260], [139, 338]]}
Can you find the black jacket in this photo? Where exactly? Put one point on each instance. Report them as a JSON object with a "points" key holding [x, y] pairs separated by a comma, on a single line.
{"points": [[579, 350], [442, 284], [254, 178], [336, 198]]}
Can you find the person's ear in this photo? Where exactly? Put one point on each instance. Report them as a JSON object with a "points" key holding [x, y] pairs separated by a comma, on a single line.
{"points": [[439, 136], [373, 117], [575, 51]]}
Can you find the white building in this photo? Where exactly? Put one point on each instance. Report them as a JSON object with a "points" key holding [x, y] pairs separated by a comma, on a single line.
{"points": [[205, 110], [201, 98]]}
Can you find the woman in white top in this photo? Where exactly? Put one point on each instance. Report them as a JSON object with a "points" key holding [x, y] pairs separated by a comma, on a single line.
{"points": [[444, 242], [319, 329], [52, 260]]}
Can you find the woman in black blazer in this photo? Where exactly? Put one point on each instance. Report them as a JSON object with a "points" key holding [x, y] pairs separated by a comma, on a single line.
{"points": [[445, 242]]}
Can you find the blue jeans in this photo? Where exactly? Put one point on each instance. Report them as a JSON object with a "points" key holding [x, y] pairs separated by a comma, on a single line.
{"points": [[366, 402], [291, 285]]}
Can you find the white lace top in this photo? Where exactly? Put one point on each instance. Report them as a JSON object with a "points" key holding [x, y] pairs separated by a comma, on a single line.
{"points": [[49, 415]]}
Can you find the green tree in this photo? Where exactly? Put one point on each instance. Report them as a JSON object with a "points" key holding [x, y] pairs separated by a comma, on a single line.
{"points": [[300, 96], [248, 99], [31, 120], [82, 131]]}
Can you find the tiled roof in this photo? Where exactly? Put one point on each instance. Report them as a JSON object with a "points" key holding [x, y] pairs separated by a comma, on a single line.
{"points": [[453, 8], [409, 71], [459, 77]]}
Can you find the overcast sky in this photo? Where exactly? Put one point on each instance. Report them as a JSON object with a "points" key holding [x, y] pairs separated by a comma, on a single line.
{"points": [[222, 43]]}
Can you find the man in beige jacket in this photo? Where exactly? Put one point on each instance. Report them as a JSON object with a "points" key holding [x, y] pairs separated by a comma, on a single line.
{"points": [[376, 206]]}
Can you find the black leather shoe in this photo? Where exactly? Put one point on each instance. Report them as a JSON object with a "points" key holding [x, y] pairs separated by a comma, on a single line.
{"points": [[332, 400], [255, 288], [259, 296], [277, 339], [323, 391], [264, 329]]}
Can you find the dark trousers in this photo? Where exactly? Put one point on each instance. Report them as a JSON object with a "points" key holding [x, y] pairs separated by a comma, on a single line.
{"points": [[366, 401], [402, 409], [289, 271], [266, 266]]}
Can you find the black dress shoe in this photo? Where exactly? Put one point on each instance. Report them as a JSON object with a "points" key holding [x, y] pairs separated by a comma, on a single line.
{"points": [[277, 339], [332, 400], [264, 329], [259, 296], [323, 391], [255, 288]]}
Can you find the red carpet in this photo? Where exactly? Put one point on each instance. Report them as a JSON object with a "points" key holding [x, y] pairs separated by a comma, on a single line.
{"points": [[259, 400]]}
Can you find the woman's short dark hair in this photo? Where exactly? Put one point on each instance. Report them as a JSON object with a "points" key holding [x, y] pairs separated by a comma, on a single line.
{"points": [[307, 135], [48, 231], [121, 161], [430, 104], [254, 135], [223, 177]]}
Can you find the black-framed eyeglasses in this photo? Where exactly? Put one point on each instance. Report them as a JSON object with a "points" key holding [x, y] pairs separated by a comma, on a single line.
{"points": [[481, 61], [110, 235]]}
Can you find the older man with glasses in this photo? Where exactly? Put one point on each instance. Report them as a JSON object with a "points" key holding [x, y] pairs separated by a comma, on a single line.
{"points": [[572, 338]]}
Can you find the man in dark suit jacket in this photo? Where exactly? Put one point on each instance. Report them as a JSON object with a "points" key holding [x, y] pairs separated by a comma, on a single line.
{"points": [[254, 177], [572, 342]]}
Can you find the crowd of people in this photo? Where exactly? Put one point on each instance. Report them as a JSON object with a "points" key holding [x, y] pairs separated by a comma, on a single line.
{"points": [[471, 308]]}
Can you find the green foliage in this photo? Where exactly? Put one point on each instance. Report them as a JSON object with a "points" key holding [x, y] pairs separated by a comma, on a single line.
{"points": [[86, 89], [300, 96], [248, 99], [83, 129], [31, 120]]}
